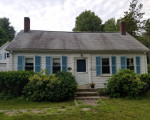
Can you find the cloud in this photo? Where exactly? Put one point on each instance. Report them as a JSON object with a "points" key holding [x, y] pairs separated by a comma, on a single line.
{"points": [[59, 15]]}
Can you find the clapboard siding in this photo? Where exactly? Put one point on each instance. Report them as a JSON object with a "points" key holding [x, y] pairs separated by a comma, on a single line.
{"points": [[98, 80], [101, 80]]}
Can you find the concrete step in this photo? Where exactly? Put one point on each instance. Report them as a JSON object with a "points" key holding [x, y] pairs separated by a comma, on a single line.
{"points": [[88, 98], [86, 90], [87, 94]]}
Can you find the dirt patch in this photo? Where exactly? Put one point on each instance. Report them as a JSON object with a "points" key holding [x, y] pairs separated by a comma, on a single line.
{"points": [[85, 109], [90, 102]]}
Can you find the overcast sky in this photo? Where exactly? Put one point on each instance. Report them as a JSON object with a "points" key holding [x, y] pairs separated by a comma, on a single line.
{"points": [[59, 15]]}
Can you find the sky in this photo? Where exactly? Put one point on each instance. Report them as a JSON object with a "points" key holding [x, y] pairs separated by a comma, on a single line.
{"points": [[59, 15]]}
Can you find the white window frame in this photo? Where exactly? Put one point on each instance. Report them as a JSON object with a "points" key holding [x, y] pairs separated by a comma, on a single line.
{"points": [[25, 62], [133, 63], [109, 66], [52, 63]]}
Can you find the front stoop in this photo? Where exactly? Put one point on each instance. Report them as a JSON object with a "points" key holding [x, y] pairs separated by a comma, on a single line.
{"points": [[87, 94]]}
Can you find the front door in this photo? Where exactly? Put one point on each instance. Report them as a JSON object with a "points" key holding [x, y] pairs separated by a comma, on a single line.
{"points": [[81, 71]]}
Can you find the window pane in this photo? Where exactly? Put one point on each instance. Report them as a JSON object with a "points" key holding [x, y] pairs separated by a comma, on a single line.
{"points": [[56, 65], [105, 70], [29, 64], [130, 63], [105, 61], [81, 65], [105, 66]]}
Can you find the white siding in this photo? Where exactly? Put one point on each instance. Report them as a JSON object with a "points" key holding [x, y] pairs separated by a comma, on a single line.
{"points": [[99, 80]]}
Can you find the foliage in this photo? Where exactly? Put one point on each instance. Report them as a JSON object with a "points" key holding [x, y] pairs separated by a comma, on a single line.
{"points": [[43, 87], [110, 25], [125, 84], [13, 82], [145, 78], [7, 32], [102, 91], [87, 21], [133, 19]]}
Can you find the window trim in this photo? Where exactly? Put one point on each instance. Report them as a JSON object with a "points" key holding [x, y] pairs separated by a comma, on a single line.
{"points": [[108, 74], [134, 64], [25, 62], [52, 63]]}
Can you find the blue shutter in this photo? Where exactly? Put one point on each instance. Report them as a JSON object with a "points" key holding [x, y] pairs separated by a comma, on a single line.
{"points": [[123, 62], [48, 65], [37, 63], [64, 63], [98, 65], [138, 67], [113, 63], [20, 62], [5, 55]]}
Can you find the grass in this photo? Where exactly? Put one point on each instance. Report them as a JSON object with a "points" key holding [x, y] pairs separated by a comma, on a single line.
{"points": [[111, 109], [18, 104]]}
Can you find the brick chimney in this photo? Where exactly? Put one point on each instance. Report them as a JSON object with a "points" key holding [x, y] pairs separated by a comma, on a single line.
{"points": [[123, 28], [26, 24]]}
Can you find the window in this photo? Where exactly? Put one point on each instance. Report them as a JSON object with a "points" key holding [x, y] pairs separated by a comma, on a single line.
{"points": [[105, 66], [56, 65], [7, 55], [130, 63], [81, 65], [29, 64]]}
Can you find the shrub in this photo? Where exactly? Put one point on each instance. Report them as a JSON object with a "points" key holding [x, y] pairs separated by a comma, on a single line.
{"points": [[102, 91], [145, 78], [13, 82], [51, 87], [125, 84]]}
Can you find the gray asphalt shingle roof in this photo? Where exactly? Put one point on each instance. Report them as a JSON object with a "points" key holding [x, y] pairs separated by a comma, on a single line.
{"points": [[55, 40]]}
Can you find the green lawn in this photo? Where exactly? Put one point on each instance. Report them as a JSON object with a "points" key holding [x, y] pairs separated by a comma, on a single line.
{"points": [[113, 109]]}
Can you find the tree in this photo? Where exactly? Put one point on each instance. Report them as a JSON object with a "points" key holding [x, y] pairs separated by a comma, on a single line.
{"points": [[147, 27], [134, 24], [3, 37], [87, 21], [7, 31], [110, 25]]}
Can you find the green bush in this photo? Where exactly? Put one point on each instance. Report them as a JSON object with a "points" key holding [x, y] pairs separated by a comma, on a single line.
{"points": [[125, 84], [51, 87], [145, 78], [13, 82]]}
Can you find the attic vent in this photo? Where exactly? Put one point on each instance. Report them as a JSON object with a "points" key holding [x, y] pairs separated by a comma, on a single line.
{"points": [[26, 24]]}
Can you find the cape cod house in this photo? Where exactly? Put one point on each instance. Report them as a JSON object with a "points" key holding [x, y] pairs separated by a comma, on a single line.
{"points": [[90, 56], [4, 58]]}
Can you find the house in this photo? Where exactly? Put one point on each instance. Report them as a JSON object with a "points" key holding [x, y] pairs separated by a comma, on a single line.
{"points": [[90, 56], [4, 57]]}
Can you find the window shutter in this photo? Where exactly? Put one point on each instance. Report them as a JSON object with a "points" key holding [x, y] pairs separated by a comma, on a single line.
{"points": [[113, 63], [37, 63], [5, 55], [20, 62], [98, 65], [48, 65], [138, 67], [123, 62], [64, 63]]}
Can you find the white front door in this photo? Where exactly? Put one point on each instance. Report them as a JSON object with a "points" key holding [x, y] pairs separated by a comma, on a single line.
{"points": [[81, 71]]}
